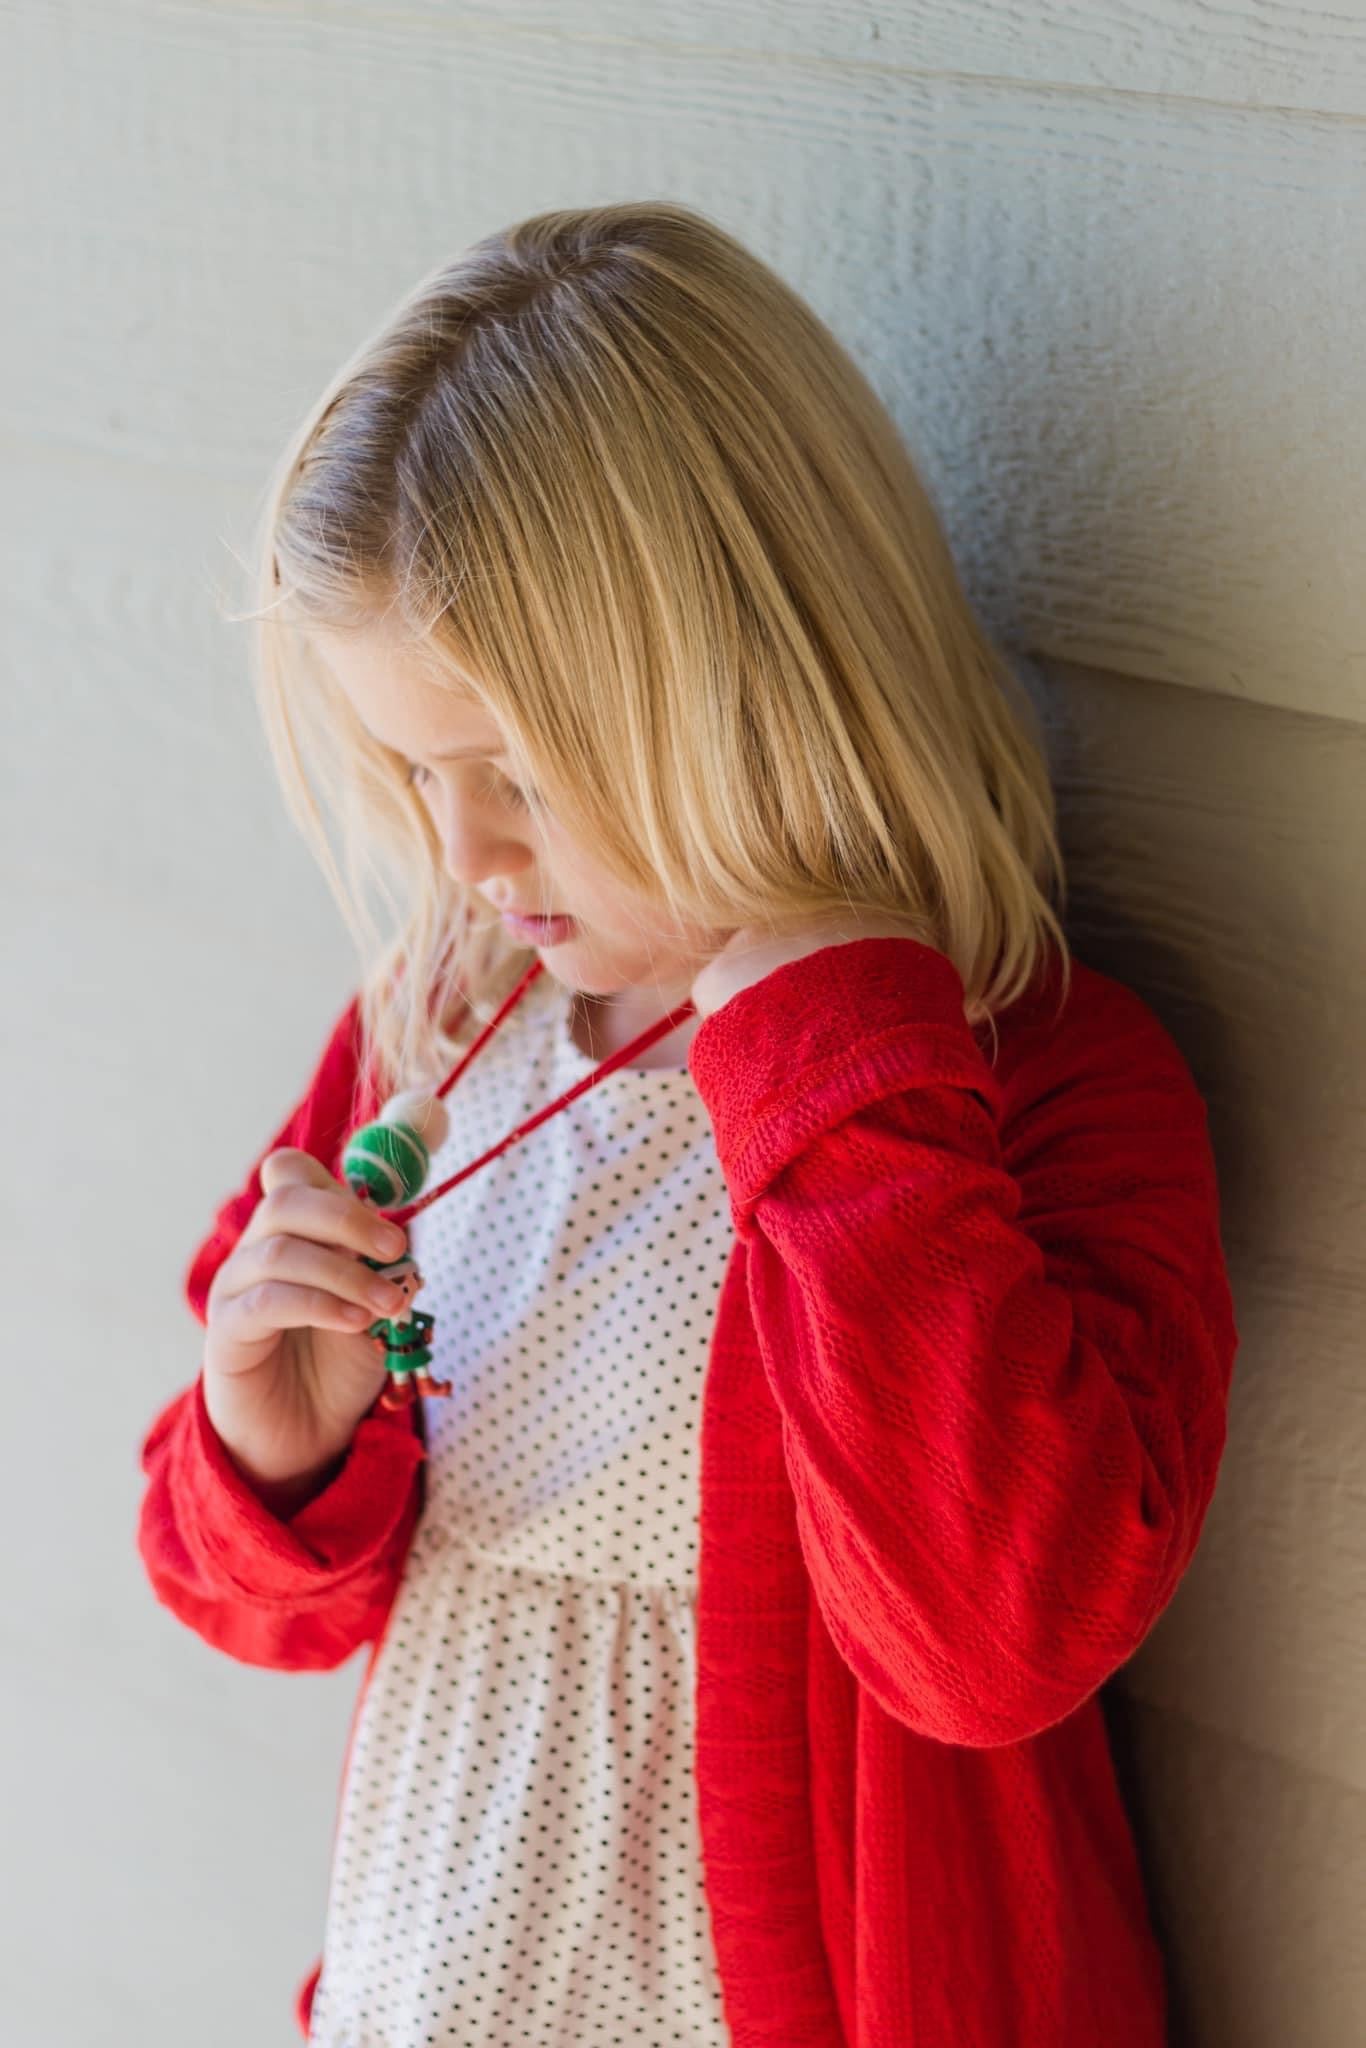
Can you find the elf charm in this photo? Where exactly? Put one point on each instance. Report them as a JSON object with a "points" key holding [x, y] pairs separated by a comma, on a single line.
{"points": [[386, 1162], [404, 1337]]}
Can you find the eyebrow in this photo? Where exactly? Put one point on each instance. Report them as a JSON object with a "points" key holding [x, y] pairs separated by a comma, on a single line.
{"points": [[461, 753]]}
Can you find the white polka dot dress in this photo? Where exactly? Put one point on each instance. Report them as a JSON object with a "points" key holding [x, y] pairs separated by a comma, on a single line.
{"points": [[517, 1862]]}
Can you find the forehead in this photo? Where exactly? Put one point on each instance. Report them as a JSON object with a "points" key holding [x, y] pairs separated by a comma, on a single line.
{"points": [[405, 695]]}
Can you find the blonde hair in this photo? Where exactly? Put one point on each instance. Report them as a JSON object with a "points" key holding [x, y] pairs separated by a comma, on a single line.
{"points": [[616, 480]]}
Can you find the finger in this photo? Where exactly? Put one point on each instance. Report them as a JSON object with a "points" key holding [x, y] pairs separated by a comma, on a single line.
{"points": [[327, 1213], [269, 1306], [297, 1262]]}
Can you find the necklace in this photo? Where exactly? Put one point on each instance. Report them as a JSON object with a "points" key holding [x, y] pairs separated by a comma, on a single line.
{"points": [[386, 1162]]}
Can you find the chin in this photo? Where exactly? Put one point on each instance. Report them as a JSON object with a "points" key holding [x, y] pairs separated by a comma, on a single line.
{"points": [[598, 986], [601, 985], [589, 969], [582, 976]]}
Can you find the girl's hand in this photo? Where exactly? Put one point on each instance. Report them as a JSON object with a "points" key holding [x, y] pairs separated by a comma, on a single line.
{"points": [[751, 953], [288, 1368]]}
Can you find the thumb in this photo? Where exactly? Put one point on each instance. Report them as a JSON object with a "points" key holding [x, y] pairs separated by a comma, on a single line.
{"points": [[289, 1164]]}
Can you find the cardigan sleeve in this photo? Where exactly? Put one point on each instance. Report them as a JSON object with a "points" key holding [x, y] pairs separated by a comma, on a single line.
{"points": [[298, 1592], [994, 1317]]}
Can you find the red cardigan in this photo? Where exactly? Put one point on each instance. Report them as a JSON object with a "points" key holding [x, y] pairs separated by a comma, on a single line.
{"points": [[964, 1410]]}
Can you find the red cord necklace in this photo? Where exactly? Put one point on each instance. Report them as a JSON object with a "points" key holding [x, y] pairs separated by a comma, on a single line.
{"points": [[387, 1161]]}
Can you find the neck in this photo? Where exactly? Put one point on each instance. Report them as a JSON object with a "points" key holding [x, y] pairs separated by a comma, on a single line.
{"points": [[602, 1025]]}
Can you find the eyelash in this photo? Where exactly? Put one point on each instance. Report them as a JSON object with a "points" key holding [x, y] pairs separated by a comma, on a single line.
{"points": [[416, 771]]}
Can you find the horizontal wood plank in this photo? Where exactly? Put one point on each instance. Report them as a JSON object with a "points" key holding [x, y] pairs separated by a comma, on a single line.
{"points": [[1256, 53], [1121, 336]]}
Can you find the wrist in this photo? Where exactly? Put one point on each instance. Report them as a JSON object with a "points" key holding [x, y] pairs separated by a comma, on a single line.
{"points": [[285, 1497], [282, 1493]]}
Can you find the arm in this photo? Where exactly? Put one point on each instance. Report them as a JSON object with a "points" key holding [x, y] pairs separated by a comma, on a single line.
{"points": [[994, 1316], [295, 1579]]}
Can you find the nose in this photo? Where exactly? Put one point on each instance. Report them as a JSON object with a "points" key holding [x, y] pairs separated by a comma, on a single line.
{"points": [[475, 841]]}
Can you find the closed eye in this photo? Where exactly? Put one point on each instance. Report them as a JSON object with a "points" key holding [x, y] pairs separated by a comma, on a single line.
{"points": [[417, 776]]}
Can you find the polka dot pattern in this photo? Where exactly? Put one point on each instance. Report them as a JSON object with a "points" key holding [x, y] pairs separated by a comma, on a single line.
{"points": [[517, 1862]]}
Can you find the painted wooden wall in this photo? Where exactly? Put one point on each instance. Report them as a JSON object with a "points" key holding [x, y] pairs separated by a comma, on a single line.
{"points": [[1105, 260]]}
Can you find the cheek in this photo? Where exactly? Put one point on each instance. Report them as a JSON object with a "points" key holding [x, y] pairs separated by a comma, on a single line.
{"points": [[564, 862]]}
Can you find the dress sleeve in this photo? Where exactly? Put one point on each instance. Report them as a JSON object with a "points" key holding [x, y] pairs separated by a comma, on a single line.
{"points": [[298, 1592], [994, 1317]]}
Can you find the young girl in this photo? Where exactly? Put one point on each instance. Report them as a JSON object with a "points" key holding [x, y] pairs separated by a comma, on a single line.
{"points": [[838, 1386]]}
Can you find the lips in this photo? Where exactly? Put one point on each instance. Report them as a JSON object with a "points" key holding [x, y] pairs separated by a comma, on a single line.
{"points": [[541, 931]]}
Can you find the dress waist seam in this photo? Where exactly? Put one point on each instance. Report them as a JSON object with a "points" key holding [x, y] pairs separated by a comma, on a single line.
{"points": [[663, 1590]]}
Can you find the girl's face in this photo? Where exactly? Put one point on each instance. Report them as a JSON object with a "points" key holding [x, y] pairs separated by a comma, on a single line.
{"points": [[512, 857]]}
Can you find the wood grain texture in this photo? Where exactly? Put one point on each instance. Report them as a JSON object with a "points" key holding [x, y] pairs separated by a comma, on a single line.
{"points": [[1256, 53], [1119, 332]]}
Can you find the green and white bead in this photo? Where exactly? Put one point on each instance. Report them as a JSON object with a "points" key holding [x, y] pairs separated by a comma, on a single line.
{"points": [[388, 1160]]}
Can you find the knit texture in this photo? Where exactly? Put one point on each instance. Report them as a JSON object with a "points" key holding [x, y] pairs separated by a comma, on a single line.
{"points": [[962, 1422]]}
